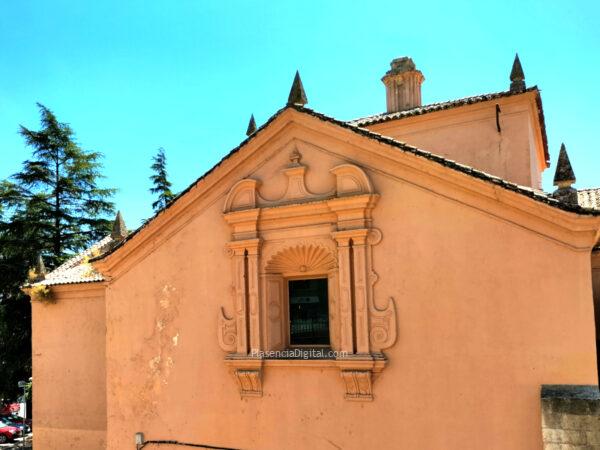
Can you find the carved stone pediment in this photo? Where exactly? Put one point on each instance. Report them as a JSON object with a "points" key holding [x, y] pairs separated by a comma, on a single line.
{"points": [[350, 180], [305, 234]]}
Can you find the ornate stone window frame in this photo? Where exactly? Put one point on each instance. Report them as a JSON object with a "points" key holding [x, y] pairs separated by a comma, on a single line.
{"points": [[305, 235]]}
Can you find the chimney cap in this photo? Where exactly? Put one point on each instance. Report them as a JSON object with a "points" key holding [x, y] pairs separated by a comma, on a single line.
{"points": [[401, 65]]}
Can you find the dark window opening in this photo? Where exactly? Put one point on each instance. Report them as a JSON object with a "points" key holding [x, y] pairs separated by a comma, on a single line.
{"points": [[309, 312]]}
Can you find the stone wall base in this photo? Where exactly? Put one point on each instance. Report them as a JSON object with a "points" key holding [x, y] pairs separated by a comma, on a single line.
{"points": [[571, 417]]}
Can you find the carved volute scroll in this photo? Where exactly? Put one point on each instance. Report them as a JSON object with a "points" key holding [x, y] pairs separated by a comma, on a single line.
{"points": [[241, 196], [351, 180], [382, 319], [305, 234], [227, 332]]}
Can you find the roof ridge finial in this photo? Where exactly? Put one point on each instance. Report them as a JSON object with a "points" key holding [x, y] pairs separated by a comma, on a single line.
{"points": [[297, 95], [517, 77], [564, 177], [251, 126], [40, 268], [119, 230]]}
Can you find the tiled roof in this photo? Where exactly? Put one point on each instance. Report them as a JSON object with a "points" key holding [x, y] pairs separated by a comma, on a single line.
{"points": [[77, 269], [524, 190], [433, 107], [589, 198], [537, 195]]}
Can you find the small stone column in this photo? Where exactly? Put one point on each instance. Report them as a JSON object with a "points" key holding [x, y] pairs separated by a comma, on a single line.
{"points": [[361, 292], [252, 250], [345, 280]]}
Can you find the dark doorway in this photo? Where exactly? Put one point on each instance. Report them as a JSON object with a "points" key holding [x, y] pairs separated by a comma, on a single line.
{"points": [[309, 312]]}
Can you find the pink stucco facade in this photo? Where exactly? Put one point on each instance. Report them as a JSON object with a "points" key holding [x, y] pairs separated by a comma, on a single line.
{"points": [[491, 297]]}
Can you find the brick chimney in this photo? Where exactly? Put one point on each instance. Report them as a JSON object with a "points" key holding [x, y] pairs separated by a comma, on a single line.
{"points": [[403, 85]]}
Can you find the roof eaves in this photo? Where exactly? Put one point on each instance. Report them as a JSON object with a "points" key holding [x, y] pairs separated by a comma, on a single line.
{"points": [[191, 186]]}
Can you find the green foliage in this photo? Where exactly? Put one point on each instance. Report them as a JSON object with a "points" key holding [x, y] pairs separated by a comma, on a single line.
{"points": [[56, 193], [53, 207], [28, 389], [160, 182], [41, 293]]}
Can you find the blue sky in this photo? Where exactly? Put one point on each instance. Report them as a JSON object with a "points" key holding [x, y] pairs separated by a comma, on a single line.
{"points": [[131, 76]]}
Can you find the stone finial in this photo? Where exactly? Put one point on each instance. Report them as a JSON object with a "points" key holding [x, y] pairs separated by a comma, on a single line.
{"points": [[564, 177], [40, 268], [517, 77], [119, 230], [295, 157], [251, 126], [297, 95], [403, 85]]}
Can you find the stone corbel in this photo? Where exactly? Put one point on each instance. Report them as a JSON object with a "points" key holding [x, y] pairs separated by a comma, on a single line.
{"points": [[358, 385], [357, 373], [248, 373]]}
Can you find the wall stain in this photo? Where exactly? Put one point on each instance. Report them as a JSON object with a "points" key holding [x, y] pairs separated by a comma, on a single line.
{"points": [[157, 354]]}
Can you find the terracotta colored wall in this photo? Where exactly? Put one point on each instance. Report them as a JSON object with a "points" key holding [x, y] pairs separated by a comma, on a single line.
{"points": [[488, 311], [596, 289], [469, 135], [69, 378]]}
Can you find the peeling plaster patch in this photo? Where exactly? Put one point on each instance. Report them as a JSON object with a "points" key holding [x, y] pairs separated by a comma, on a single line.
{"points": [[154, 363], [158, 350], [167, 312]]}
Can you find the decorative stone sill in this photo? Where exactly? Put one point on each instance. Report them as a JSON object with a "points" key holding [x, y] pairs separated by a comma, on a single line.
{"points": [[356, 371]]}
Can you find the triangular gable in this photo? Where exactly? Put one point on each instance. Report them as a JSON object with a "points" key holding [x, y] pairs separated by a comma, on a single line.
{"points": [[297, 113]]}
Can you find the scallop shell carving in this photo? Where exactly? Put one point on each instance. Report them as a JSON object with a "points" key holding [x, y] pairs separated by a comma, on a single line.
{"points": [[301, 259]]}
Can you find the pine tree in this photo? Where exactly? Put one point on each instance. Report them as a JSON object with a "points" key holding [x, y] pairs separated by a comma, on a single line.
{"points": [[53, 207], [161, 184], [56, 196]]}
